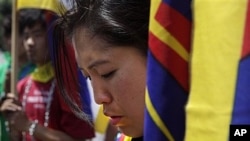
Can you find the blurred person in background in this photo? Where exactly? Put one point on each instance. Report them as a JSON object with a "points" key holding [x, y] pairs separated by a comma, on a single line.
{"points": [[24, 65], [39, 113]]}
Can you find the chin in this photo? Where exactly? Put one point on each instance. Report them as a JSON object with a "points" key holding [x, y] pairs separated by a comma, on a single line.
{"points": [[131, 132]]}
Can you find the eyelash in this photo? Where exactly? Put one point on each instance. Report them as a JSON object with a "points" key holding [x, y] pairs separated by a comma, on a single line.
{"points": [[88, 77], [108, 75]]}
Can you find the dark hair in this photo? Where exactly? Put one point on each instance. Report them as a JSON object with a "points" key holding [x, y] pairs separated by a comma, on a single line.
{"points": [[5, 7], [30, 17], [5, 21], [7, 26], [118, 22]]}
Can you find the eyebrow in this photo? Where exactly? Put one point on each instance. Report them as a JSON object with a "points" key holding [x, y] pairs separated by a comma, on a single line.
{"points": [[34, 31], [97, 63]]}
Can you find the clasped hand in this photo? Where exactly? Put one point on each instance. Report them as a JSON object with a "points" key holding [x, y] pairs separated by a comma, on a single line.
{"points": [[12, 111]]}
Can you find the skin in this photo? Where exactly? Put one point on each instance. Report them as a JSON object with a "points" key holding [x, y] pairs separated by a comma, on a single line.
{"points": [[35, 41], [118, 76]]}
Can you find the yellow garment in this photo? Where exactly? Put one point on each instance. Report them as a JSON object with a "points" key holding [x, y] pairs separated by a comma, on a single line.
{"points": [[52, 5], [101, 122], [127, 138], [43, 73]]}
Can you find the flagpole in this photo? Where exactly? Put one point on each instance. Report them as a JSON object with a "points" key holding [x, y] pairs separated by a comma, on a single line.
{"points": [[14, 48], [13, 134]]}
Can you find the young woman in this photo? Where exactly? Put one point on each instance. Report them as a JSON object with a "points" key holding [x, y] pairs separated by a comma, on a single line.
{"points": [[109, 38]]}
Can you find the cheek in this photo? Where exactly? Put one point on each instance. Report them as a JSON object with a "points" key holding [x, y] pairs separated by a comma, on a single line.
{"points": [[129, 89]]}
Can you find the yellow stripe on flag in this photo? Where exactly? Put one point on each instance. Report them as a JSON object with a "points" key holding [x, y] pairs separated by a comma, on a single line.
{"points": [[218, 35], [52, 5], [158, 30], [156, 118]]}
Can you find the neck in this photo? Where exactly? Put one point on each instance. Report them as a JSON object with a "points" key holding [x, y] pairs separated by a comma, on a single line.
{"points": [[22, 60], [44, 62]]}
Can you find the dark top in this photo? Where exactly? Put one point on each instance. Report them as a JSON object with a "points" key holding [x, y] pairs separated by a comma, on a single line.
{"points": [[138, 139]]}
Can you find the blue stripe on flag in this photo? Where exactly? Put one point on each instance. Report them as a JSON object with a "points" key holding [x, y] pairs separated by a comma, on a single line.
{"points": [[241, 110], [168, 98], [182, 6]]}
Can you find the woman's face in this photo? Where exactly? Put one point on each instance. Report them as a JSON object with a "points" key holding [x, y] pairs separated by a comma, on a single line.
{"points": [[118, 76]]}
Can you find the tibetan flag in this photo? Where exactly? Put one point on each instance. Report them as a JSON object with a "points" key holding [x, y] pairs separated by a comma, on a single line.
{"points": [[220, 91], [168, 70]]}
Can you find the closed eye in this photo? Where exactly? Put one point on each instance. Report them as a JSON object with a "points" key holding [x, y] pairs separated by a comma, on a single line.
{"points": [[108, 75]]}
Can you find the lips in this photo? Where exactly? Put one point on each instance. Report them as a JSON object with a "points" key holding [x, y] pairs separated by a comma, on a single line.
{"points": [[115, 119]]}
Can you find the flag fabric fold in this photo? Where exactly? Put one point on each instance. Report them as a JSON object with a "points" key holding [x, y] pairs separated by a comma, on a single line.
{"points": [[220, 72], [167, 76]]}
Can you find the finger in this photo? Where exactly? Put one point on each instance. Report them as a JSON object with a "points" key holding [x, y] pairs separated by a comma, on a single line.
{"points": [[12, 108], [15, 107], [11, 95], [8, 105]]}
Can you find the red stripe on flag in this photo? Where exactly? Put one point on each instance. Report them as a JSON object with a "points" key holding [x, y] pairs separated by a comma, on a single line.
{"points": [[174, 22], [246, 40], [170, 60]]}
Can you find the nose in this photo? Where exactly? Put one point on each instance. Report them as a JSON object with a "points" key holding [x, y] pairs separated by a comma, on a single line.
{"points": [[101, 92], [30, 41]]}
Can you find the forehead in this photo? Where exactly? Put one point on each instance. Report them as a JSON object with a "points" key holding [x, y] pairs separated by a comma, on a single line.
{"points": [[35, 27], [90, 49], [84, 41]]}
